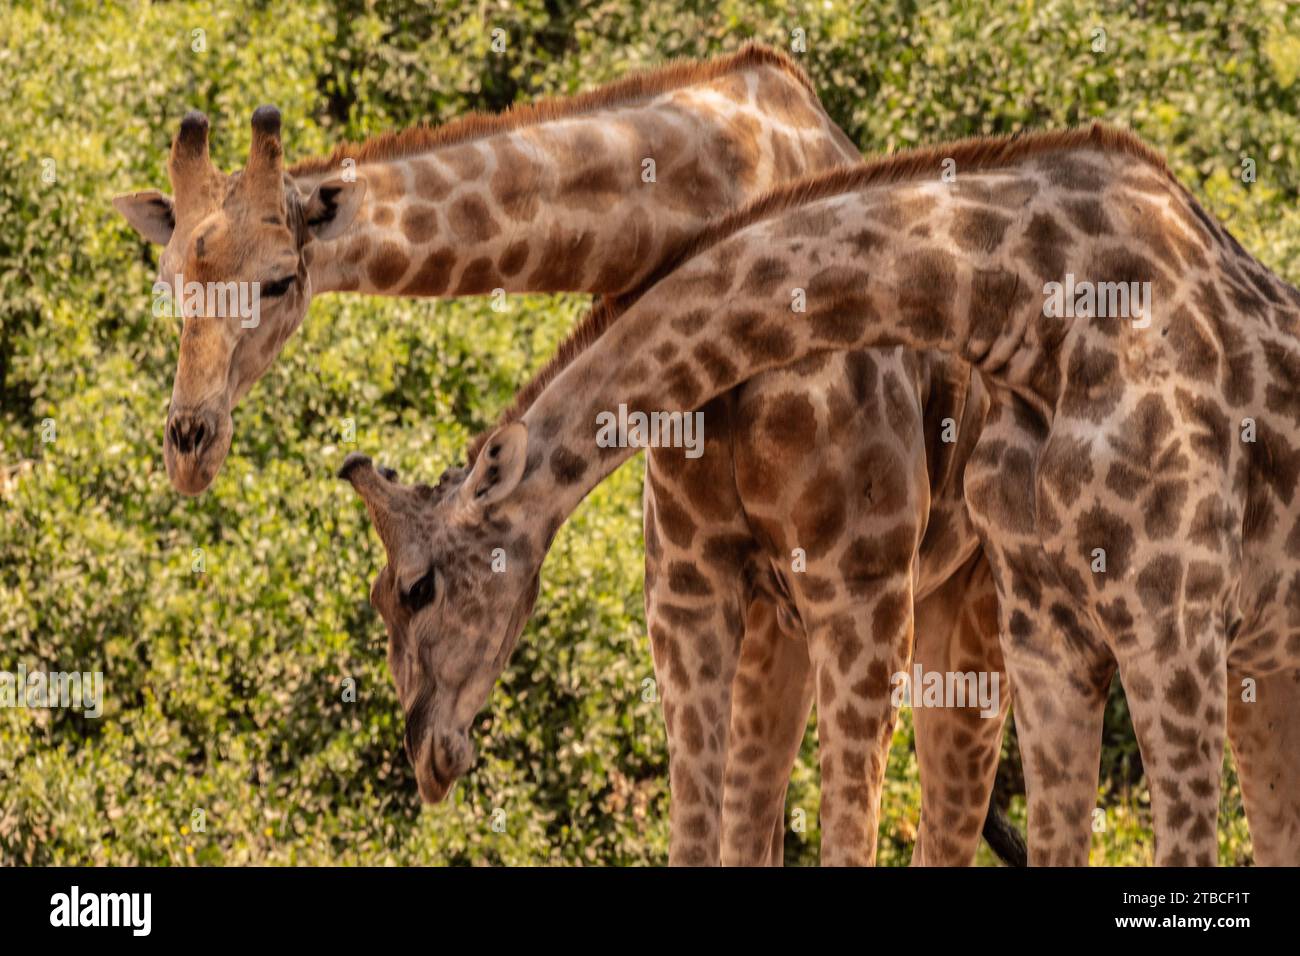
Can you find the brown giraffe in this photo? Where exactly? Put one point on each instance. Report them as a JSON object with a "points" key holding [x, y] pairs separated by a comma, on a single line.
{"points": [[541, 199], [1135, 489]]}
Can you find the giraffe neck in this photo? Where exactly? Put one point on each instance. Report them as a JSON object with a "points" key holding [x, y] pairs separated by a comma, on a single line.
{"points": [[919, 264], [586, 202]]}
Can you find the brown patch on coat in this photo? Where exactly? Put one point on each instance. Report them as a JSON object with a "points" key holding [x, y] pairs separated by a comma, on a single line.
{"points": [[471, 220], [515, 182], [434, 274], [978, 230], [419, 222], [388, 264]]}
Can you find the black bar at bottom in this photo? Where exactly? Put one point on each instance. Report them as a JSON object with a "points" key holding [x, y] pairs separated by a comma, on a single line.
{"points": [[640, 907]]}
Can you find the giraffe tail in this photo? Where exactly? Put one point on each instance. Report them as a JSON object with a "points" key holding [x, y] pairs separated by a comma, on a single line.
{"points": [[1003, 838]]}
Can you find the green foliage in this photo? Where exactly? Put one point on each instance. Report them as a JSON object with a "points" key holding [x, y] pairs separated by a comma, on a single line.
{"points": [[225, 688]]}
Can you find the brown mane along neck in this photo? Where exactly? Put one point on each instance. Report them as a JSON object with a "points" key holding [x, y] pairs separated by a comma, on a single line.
{"points": [[474, 126], [980, 154]]}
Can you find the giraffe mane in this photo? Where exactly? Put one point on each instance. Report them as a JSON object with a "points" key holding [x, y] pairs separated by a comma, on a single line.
{"points": [[474, 126], [980, 153]]}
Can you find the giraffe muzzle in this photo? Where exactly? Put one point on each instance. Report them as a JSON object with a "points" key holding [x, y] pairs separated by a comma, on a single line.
{"points": [[443, 759], [195, 443], [378, 488]]}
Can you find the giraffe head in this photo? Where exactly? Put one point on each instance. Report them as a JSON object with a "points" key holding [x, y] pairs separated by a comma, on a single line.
{"points": [[234, 254], [459, 586]]}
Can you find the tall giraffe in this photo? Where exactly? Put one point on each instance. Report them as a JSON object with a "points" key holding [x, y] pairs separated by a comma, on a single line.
{"points": [[1135, 489], [552, 197]]}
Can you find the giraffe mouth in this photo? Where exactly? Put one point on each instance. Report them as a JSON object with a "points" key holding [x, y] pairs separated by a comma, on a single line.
{"points": [[444, 759], [435, 787]]}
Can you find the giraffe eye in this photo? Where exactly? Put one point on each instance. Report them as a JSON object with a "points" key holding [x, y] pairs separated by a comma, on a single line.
{"points": [[420, 593], [277, 288]]}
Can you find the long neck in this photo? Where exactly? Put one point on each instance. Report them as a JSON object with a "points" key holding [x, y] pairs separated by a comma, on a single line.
{"points": [[586, 202], [919, 264]]}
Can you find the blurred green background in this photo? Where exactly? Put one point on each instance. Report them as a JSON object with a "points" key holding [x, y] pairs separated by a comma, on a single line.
{"points": [[225, 688]]}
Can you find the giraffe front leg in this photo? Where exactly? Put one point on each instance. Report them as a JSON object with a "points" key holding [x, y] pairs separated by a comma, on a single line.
{"points": [[696, 547], [693, 645], [957, 748], [694, 641], [1264, 730], [1175, 692], [855, 654], [1061, 669], [771, 698]]}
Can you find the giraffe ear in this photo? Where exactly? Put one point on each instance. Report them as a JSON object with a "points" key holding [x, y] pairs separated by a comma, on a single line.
{"points": [[150, 213], [498, 468], [333, 205]]}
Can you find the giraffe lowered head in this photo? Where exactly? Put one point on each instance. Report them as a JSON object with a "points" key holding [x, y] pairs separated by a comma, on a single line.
{"points": [[459, 586], [233, 257]]}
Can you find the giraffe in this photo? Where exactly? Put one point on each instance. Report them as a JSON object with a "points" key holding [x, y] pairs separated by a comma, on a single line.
{"points": [[1129, 524], [548, 198]]}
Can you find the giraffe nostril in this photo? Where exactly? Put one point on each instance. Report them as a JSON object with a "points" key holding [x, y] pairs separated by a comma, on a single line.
{"points": [[189, 434]]}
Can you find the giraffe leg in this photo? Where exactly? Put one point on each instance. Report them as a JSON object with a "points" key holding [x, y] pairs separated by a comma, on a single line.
{"points": [[1060, 703], [1265, 737], [1175, 692], [771, 697], [1059, 664], [693, 670], [854, 655], [697, 544], [957, 748]]}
